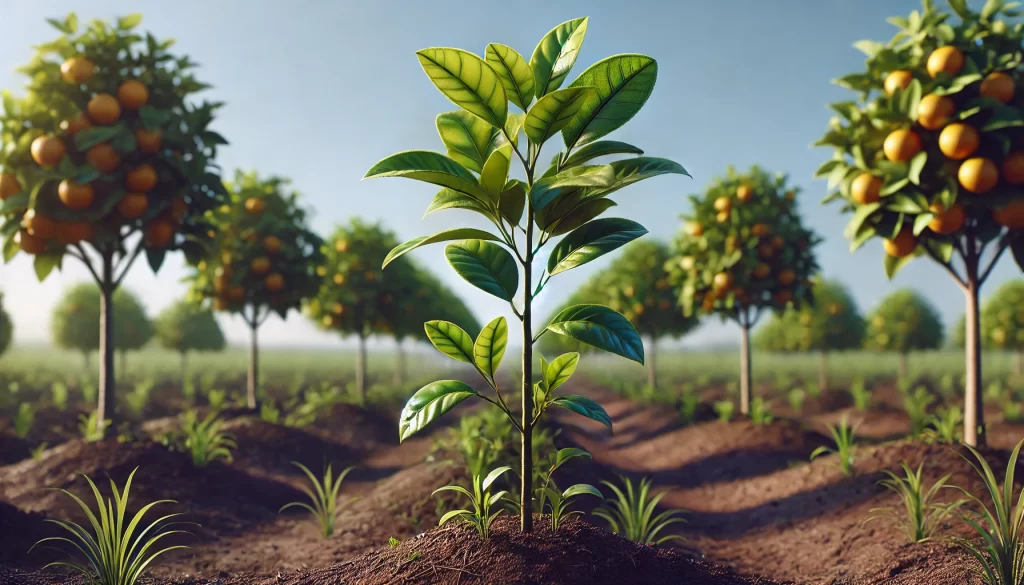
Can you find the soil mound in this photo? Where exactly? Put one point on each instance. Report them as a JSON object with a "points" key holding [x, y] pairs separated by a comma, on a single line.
{"points": [[269, 448], [18, 532], [357, 426], [13, 449]]}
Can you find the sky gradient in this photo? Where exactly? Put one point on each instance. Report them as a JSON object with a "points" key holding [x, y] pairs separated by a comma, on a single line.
{"points": [[319, 94]]}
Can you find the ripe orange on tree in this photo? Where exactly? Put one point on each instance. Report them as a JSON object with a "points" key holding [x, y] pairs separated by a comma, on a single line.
{"points": [[77, 70], [260, 265], [236, 293], [778, 242], [744, 193], [902, 245], [103, 157], [274, 282], [722, 281], [948, 59], [38, 225], [148, 141], [159, 234], [695, 229], [9, 186], [75, 125], [254, 205], [341, 246], [1010, 215], [762, 270], [722, 216], [272, 244], [934, 111], [723, 204], [786, 277], [765, 251], [978, 175], [141, 179], [30, 244], [761, 230], [74, 232], [959, 141], [104, 109], [902, 145], [866, 188], [998, 85], [133, 205], [1013, 168], [132, 94], [48, 151], [899, 79], [74, 195], [339, 279], [947, 221]]}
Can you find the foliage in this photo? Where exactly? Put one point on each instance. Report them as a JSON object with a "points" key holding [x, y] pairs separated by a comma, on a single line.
{"points": [[630, 512], [6, 327], [923, 515], [860, 394], [843, 436], [482, 500], [903, 321], [796, 397], [184, 327], [204, 439], [830, 322], [89, 427], [76, 320], [118, 548], [548, 494], [916, 404], [324, 496], [24, 419], [725, 409], [481, 438], [761, 411], [999, 525], [481, 140], [944, 426], [1002, 317]]}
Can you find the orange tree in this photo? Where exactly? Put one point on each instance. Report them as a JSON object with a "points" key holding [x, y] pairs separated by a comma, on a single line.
{"points": [[929, 157], [566, 197], [831, 322], [6, 327], [356, 298], [904, 321], [263, 258], [744, 250], [106, 158], [185, 327]]}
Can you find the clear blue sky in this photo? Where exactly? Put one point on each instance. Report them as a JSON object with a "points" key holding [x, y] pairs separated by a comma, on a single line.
{"points": [[319, 93]]}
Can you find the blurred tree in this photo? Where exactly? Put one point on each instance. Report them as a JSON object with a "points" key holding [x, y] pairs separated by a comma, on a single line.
{"points": [[185, 327], [132, 329], [903, 322], [76, 321], [6, 327]]}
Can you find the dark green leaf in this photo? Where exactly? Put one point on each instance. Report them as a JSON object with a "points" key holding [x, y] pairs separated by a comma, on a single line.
{"points": [[450, 339], [514, 71], [45, 263], [633, 170], [467, 81], [560, 370], [584, 406], [90, 137], [579, 215], [600, 327], [429, 403], [513, 201], [599, 149], [467, 138], [449, 199], [155, 258], [581, 489], [859, 217], [568, 453], [429, 167], [486, 266], [916, 166], [622, 84], [591, 241], [556, 54], [1017, 248], [445, 236], [549, 189], [893, 264], [552, 112], [490, 346]]}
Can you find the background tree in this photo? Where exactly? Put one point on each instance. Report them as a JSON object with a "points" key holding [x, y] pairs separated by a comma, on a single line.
{"points": [[1002, 321], [184, 326], [773, 336], [744, 250], [356, 299], [482, 138], [264, 259], [132, 327], [903, 322], [6, 327], [929, 157], [107, 157], [830, 322], [76, 321]]}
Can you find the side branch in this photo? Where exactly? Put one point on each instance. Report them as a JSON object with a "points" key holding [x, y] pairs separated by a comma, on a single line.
{"points": [[949, 268], [131, 260], [1003, 244], [84, 257]]}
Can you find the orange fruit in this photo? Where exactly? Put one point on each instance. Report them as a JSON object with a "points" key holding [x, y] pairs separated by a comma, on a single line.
{"points": [[74, 232], [783, 296], [998, 85], [9, 186], [103, 157], [790, 195], [272, 244], [778, 242], [722, 281], [765, 251], [236, 293], [762, 270], [48, 150], [898, 79], [330, 321], [866, 188], [77, 70], [946, 221], [786, 277], [159, 234], [946, 59], [178, 209], [274, 282], [934, 111], [902, 245], [148, 141], [978, 175], [372, 277], [339, 279], [959, 141], [1010, 215], [254, 205], [141, 179], [133, 205], [39, 226], [220, 305], [221, 281], [132, 94], [723, 204], [761, 230], [1013, 168], [30, 244], [901, 145], [104, 109], [260, 265], [75, 125], [74, 195], [341, 245], [722, 216], [744, 193], [338, 309], [695, 229]]}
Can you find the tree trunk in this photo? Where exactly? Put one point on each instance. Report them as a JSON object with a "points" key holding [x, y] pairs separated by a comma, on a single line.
{"points": [[526, 458], [823, 370], [901, 368], [105, 410], [745, 385], [254, 364], [361, 369], [652, 366], [974, 415], [399, 363]]}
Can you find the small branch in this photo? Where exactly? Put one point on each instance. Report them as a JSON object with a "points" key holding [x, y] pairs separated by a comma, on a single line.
{"points": [[515, 149], [131, 260], [1003, 244], [266, 315], [541, 283], [84, 257], [949, 268]]}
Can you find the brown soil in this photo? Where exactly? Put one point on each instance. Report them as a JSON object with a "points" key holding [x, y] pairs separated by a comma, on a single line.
{"points": [[13, 449]]}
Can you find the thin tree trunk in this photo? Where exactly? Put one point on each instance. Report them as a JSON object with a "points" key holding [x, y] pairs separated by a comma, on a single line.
{"points": [[361, 369], [823, 370], [254, 363], [974, 414], [105, 410], [400, 363], [901, 368], [526, 458], [745, 385], [652, 366]]}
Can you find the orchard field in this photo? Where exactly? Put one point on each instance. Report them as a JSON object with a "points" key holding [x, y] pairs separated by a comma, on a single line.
{"points": [[828, 443]]}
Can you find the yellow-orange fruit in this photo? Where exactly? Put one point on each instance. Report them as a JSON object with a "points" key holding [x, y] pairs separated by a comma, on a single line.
{"points": [[866, 188], [260, 265], [159, 234], [946, 221], [901, 145], [77, 70], [74, 195], [786, 277], [339, 279], [254, 205], [902, 245], [341, 245], [762, 270], [132, 94], [998, 85], [722, 216], [1013, 168], [38, 226], [898, 79], [104, 109], [141, 179], [723, 204], [744, 193], [148, 141], [761, 230], [722, 281], [272, 244], [103, 157], [934, 111], [959, 141], [236, 293], [133, 205], [30, 244], [1010, 215], [274, 282], [946, 59], [695, 229], [9, 186], [978, 175], [48, 150], [75, 125]]}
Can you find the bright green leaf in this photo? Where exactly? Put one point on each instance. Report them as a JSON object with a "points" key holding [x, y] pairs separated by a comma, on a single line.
{"points": [[513, 201], [586, 407], [600, 327], [560, 370], [445, 236], [490, 346], [578, 216], [495, 173], [581, 489], [450, 339], [625, 172], [129, 22], [429, 167], [556, 54], [467, 138], [549, 189], [486, 266], [467, 81], [552, 112], [514, 71], [45, 263], [622, 85], [893, 264], [449, 199], [429, 403], [591, 241]]}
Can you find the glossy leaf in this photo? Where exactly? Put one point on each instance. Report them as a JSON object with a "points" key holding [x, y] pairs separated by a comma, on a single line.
{"points": [[586, 407], [486, 266], [450, 339], [513, 201], [580, 215], [467, 81], [633, 170], [429, 403], [622, 84], [591, 241], [560, 370], [429, 167], [45, 263], [580, 489], [493, 476], [449, 199], [445, 236], [514, 72], [568, 453], [548, 189], [893, 264], [490, 346], [495, 173], [514, 125], [599, 149], [468, 139], [556, 54], [600, 327], [552, 112]]}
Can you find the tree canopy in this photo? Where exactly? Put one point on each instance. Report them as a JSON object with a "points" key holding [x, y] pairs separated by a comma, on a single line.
{"points": [[76, 320], [185, 326]]}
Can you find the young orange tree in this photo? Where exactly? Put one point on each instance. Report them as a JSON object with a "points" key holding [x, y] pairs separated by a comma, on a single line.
{"points": [[106, 157], [742, 251], [929, 158], [903, 322], [263, 259], [566, 197], [183, 327]]}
